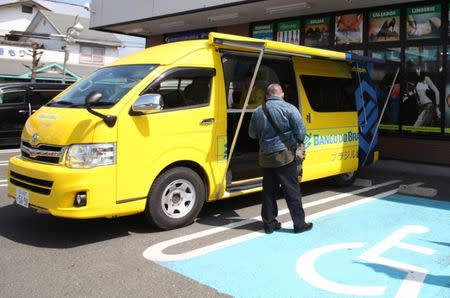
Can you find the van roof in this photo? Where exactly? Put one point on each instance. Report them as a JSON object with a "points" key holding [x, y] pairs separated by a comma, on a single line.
{"points": [[171, 52], [163, 54]]}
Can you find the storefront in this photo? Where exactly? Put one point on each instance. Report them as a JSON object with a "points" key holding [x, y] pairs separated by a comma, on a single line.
{"points": [[416, 124]]}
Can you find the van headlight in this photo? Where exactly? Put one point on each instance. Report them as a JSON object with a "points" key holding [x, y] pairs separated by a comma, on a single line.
{"points": [[91, 155]]}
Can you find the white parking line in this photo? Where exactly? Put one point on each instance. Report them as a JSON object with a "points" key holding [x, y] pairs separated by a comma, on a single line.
{"points": [[3, 185], [10, 151], [155, 252]]}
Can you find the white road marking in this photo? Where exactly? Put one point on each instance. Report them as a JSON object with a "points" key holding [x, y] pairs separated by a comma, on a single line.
{"points": [[155, 252], [10, 151], [3, 185]]}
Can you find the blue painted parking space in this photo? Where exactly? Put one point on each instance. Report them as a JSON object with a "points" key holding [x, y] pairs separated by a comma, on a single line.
{"points": [[398, 246]]}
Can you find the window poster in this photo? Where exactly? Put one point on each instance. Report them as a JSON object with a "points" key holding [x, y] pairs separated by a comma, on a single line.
{"points": [[421, 99], [423, 22], [382, 76], [289, 32], [264, 31], [384, 25], [447, 98], [317, 32], [349, 28]]}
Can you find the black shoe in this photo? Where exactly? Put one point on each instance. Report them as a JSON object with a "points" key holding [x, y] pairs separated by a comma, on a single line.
{"points": [[270, 230], [277, 226], [306, 227]]}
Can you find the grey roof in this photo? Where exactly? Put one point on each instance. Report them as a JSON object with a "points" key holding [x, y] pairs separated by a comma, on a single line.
{"points": [[13, 2], [14, 68], [63, 21]]}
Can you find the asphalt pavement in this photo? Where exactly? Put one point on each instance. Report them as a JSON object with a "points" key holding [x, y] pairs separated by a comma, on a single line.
{"points": [[44, 256]]}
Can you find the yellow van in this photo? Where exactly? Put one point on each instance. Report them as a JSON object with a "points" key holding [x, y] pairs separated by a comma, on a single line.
{"points": [[156, 131]]}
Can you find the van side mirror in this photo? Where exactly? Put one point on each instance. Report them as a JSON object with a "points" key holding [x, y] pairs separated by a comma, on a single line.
{"points": [[93, 97], [148, 103]]}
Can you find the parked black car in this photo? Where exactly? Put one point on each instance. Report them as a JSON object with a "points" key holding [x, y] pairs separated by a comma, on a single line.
{"points": [[17, 102]]}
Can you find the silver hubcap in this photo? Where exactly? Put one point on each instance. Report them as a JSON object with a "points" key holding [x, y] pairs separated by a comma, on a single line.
{"points": [[347, 176], [178, 198]]}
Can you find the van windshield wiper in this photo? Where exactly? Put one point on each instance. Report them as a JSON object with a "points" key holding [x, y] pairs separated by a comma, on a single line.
{"points": [[61, 102], [102, 103]]}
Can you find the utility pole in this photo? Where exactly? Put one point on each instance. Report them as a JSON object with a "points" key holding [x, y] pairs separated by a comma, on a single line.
{"points": [[71, 33], [36, 53]]}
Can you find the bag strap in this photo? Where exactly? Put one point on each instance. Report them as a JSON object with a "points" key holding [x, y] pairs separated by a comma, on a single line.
{"points": [[276, 128]]}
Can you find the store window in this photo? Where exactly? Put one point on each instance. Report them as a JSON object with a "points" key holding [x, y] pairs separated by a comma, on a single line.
{"points": [[264, 31], [289, 32], [423, 22], [349, 29], [384, 25], [421, 99], [447, 98], [92, 54], [382, 76], [317, 32]]}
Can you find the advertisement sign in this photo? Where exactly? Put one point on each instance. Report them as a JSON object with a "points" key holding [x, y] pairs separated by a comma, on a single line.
{"points": [[317, 32], [384, 25], [191, 35], [421, 99], [263, 31], [289, 32], [349, 28], [423, 22]]}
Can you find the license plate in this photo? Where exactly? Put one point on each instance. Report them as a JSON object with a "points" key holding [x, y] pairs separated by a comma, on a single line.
{"points": [[22, 197]]}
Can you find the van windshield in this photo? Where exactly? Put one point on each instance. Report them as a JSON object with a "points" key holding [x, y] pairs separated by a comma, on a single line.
{"points": [[112, 82]]}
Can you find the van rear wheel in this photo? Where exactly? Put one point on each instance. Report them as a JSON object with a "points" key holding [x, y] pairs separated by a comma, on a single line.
{"points": [[175, 199], [344, 179]]}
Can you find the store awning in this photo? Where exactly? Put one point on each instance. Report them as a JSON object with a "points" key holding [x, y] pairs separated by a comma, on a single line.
{"points": [[280, 48]]}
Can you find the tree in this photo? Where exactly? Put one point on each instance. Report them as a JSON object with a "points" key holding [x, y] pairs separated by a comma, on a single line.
{"points": [[36, 53]]}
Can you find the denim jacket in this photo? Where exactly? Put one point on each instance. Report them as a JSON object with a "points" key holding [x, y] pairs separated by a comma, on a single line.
{"points": [[288, 119]]}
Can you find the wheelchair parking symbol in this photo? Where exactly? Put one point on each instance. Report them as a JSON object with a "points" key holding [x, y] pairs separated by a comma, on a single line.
{"points": [[410, 286]]}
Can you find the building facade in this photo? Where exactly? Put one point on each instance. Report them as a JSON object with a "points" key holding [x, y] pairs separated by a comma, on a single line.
{"points": [[24, 22], [416, 34]]}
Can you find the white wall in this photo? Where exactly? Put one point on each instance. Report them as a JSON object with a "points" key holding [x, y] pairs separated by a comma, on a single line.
{"points": [[19, 54], [12, 18], [105, 12], [50, 44]]}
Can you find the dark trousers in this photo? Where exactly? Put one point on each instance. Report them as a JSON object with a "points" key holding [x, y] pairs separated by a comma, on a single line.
{"points": [[286, 176]]}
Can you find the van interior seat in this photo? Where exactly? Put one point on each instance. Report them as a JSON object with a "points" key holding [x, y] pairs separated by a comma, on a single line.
{"points": [[198, 91]]}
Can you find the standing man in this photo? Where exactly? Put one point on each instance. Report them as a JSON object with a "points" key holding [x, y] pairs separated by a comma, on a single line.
{"points": [[277, 161]]}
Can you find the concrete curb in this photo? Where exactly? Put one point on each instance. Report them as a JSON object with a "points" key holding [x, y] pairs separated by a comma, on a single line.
{"points": [[413, 168]]}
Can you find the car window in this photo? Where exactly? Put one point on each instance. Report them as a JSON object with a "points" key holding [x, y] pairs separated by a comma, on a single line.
{"points": [[42, 97], [12, 97]]}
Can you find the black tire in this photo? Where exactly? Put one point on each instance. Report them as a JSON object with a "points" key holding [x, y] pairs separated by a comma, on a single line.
{"points": [[170, 208], [343, 180]]}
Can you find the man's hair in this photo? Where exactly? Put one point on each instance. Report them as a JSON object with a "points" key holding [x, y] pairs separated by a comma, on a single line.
{"points": [[274, 90]]}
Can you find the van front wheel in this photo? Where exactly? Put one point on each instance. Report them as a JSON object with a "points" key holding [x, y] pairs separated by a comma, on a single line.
{"points": [[175, 199], [345, 179]]}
